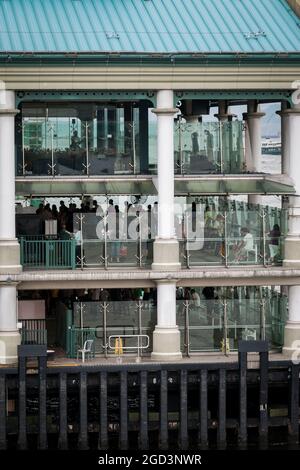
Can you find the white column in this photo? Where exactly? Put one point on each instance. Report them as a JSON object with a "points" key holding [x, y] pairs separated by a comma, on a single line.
{"points": [[285, 139], [291, 157], [253, 144], [166, 336], [9, 335], [292, 241], [9, 247], [223, 115], [165, 250]]}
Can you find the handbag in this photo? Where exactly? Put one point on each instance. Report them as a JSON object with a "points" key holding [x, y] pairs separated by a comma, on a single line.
{"points": [[123, 250]]}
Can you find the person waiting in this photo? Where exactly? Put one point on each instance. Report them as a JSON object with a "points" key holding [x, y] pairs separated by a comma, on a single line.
{"points": [[245, 246], [274, 246]]}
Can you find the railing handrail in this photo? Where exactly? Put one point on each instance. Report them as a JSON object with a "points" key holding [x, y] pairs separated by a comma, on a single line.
{"points": [[139, 346]]}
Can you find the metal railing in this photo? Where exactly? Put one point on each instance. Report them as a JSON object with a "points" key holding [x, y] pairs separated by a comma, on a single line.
{"points": [[34, 331], [48, 254], [209, 147], [119, 345], [207, 325]]}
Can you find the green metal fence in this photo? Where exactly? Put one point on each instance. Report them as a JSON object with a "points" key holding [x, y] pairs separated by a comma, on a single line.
{"points": [[48, 254], [34, 331]]}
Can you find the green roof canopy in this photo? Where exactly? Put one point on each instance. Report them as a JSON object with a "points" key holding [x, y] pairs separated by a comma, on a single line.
{"points": [[148, 26]]}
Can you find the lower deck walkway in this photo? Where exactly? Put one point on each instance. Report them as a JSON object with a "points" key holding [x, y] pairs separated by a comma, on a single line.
{"points": [[60, 360]]}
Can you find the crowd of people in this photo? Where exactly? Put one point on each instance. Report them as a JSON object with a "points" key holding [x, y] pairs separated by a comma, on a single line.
{"points": [[240, 246]]}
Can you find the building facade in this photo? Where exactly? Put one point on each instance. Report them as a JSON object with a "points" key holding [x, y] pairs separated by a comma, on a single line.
{"points": [[106, 104]]}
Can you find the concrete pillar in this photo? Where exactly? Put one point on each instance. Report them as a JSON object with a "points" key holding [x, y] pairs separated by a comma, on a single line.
{"points": [[9, 246], [292, 327], [9, 334], [166, 336], [225, 137], [253, 143], [292, 241], [223, 115], [285, 139], [143, 137], [166, 248]]}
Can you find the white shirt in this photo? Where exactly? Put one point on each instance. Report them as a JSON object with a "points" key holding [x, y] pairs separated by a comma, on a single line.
{"points": [[248, 240], [196, 299]]}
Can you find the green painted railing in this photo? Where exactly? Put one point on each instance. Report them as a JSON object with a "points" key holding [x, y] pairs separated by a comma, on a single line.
{"points": [[34, 331], [34, 336], [48, 254], [77, 338]]}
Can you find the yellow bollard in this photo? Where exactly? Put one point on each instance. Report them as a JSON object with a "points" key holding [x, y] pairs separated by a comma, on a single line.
{"points": [[118, 346], [225, 347]]}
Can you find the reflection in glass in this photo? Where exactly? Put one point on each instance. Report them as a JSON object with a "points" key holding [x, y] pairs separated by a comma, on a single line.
{"points": [[232, 233], [233, 314], [100, 320], [209, 147], [83, 138]]}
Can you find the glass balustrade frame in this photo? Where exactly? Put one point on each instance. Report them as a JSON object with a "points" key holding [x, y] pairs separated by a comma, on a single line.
{"points": [[90, 139], [205, 325]]}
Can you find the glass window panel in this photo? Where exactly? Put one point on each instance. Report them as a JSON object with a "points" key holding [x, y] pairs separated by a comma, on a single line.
{"points": [[86, 138], [208, 147]]}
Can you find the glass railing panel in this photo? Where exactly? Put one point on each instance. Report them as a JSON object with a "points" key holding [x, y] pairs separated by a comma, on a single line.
{"points": [[206, 251], [244, 250], [105, 319], [92, 254], [112, 241], [122, 253], [206, 326], [275, 314], [201, 325], [208, 147], [218, 324], [115, 152], [235, 235], [65, 145], [244, 321]]}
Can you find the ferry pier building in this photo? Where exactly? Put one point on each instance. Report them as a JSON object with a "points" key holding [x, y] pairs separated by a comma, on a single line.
{"points": [[150, 112]]}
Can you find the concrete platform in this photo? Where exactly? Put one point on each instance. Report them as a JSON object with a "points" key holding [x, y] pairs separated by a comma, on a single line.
{"points": [[213, 358]]}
